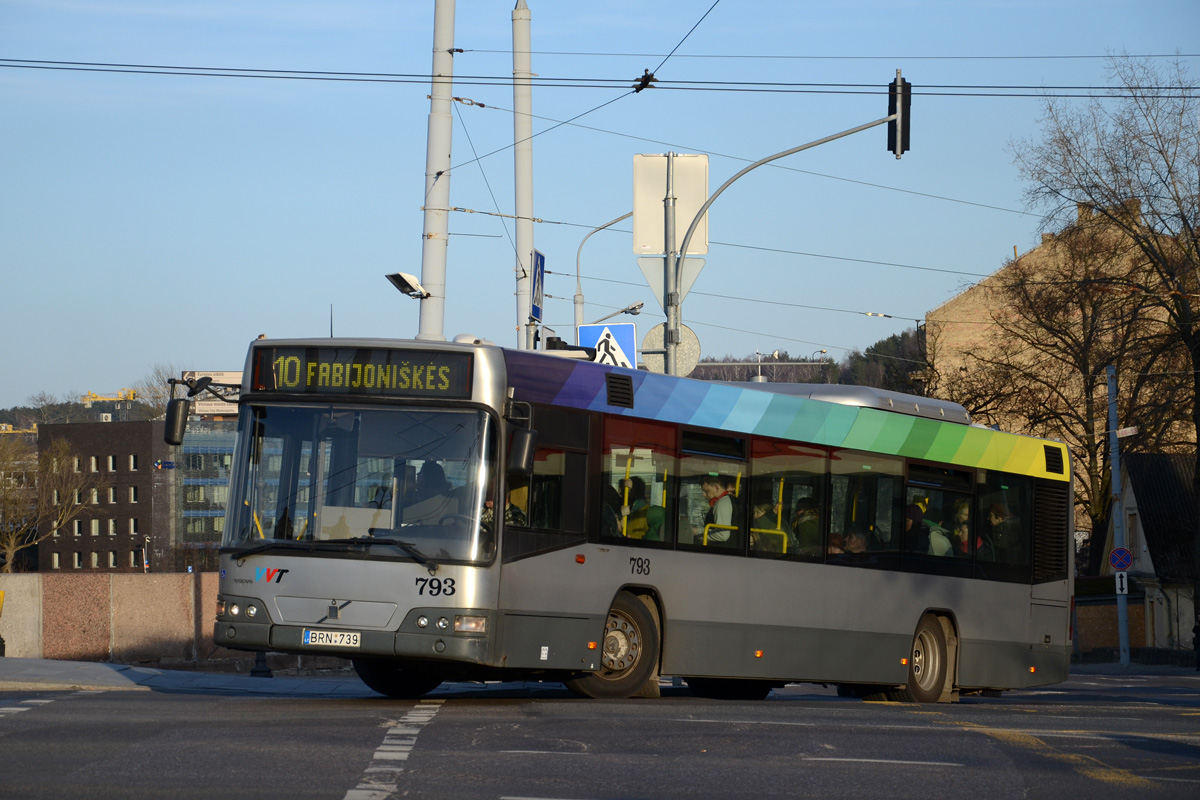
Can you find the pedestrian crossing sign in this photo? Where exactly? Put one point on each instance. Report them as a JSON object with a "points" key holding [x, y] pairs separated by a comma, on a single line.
{"points": [[616, 344]]}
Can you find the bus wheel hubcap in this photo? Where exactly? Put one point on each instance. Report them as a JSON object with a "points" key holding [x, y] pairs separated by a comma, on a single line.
{"points": [[622, 644], [924, 661]]}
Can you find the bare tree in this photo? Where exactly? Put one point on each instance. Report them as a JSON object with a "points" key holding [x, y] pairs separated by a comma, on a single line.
{"points": [[1133, 158], [153, 389], [45, 408], [1058, 323], [40, 493]]}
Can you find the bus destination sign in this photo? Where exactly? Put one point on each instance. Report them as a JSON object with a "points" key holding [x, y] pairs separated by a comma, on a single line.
{"points": [[362, 371]]}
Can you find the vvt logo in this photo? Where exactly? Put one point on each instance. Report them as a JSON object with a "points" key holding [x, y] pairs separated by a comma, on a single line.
{"points": [[269, 575]]}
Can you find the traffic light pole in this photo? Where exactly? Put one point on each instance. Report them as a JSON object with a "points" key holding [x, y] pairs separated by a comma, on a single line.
{"points": [[674, 311]]}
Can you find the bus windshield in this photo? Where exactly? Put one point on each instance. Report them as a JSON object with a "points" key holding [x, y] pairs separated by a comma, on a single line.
{"points": [[405, 483]]}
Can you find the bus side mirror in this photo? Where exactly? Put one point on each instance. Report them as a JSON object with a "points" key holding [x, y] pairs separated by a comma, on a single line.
{"points": [[521, 450], [178, 410]]}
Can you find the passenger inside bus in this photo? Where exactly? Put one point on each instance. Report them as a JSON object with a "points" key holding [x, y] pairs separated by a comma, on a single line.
{"points": [[960, 527], [718, 522], [433, 502], [806, 522], [769, 533], [514, 514], [1003, 542], [645, 521]]}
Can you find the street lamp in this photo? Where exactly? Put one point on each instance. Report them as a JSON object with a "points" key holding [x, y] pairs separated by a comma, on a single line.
{"points": [[578, 286], [633, 310], [408, 284], [759, 378], [813, 357]]}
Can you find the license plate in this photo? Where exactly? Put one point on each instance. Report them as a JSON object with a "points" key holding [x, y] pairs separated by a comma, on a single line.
{"points": [[330, 638]]}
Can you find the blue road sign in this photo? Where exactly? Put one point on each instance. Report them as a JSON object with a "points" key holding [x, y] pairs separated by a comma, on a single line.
{"points": [[539, 281], [1121, 559], [615, 344]]}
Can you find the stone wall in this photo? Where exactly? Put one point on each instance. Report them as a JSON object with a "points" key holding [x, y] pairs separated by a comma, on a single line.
{"points": [[118, 617]]}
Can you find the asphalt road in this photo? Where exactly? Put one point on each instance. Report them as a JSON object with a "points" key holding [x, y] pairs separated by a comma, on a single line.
{"points": [[1114, 735]]}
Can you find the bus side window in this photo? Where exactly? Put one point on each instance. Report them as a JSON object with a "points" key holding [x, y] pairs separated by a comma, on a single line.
{"points": [[787, 498], [866, 509], [1004, 528], [637, 483]]}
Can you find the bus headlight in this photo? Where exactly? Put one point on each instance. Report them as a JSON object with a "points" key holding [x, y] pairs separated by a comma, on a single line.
{"points": [[470, 624]]}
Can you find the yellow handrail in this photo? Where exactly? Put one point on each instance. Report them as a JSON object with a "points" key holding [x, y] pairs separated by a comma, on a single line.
{"points": [[717, 527], [625, 496], [777, 532]]}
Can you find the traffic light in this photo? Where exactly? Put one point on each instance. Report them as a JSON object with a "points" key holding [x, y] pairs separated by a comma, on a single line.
{"points": [[899, 103]]}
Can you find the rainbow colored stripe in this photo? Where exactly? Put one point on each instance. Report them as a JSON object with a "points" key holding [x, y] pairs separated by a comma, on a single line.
{"points": [[537, 378]]}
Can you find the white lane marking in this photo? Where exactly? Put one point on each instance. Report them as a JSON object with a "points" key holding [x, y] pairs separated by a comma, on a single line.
{"points": [[380, 778], [889, 761], [543, 753]]}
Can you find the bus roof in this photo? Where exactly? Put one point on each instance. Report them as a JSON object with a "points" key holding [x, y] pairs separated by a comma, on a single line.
{"points": [[867, 397]]}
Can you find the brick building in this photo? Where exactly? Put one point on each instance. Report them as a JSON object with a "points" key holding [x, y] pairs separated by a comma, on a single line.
{"points": [[131, 515], [156, 501]]}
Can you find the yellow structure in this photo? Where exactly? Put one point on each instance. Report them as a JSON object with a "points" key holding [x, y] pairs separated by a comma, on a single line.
{"points": [[92, 397]]}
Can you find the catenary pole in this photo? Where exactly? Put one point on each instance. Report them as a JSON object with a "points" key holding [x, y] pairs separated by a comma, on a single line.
{"points": [[523, 169], [437, 176], [1115, 511]]}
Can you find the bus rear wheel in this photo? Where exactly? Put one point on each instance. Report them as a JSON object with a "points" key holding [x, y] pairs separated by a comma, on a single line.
{"points": [[928, 663], [393, 679], [628, 654]]}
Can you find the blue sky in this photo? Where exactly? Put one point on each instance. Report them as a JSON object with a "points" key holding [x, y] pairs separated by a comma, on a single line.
{"points": [[171, 219]]}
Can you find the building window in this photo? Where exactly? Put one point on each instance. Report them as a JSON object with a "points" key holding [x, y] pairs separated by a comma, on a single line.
{"points": [[54, 561], [95, 464], [112, 559], [77, 559], [95, 559], [132, 555], [112, 527], [78, 464], [78, 526], [133, 462], [95, 527], [95, 497], [133, 526], [133, 494], [112, 494], [78, 496], [56, 533], [56, 500], [112, 463]]}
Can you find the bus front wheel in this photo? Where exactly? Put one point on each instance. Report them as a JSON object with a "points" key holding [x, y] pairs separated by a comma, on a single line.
{"points": [[628, 654], [393, 679]]}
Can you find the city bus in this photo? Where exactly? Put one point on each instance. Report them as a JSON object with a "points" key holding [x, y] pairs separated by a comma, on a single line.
{"points": [[450, 511]]}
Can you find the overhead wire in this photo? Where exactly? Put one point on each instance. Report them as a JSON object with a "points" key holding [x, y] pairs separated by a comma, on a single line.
{"points": [[542, 81], [486, 182]]}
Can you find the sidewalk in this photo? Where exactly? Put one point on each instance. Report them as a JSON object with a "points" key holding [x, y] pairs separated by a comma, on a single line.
{"points": [[44, 674]]}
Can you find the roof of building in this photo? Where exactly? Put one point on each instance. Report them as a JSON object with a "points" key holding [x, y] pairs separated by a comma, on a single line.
{"points": [[1162, 483]]}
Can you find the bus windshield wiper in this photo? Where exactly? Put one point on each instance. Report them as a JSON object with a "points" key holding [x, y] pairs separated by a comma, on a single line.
{"points": [[407, 547], [272, 544]]}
